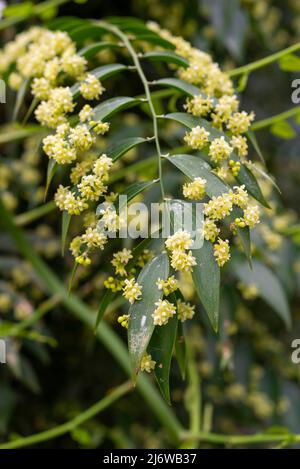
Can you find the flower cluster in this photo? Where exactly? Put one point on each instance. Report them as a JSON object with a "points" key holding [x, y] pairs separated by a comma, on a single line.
{"points": [[195, 190], [147, 364], [178, 245], [132, 290], [163, 312], [185, 310], [168, 286]]}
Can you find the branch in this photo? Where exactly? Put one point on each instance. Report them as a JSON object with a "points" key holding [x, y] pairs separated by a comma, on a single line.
{"points": [[245, 69], [75, 422], [272, 120]]}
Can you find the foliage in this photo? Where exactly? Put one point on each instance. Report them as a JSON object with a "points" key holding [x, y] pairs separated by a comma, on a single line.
{"points": [[107, 108]]}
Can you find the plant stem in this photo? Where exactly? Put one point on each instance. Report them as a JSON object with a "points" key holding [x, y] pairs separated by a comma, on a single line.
{"points": [[236, 440], [75, 422], [54, 286], [272, 120], [144, 81], [245, 69]]}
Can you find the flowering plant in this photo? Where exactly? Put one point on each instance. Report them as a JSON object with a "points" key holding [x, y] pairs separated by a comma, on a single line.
{"points": [[186, 112]]}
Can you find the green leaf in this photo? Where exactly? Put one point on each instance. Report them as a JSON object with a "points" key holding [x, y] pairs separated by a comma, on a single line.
{"points": [[86, 31], [268, 285], [206, 277], [66, 218], [18, 133], [179, 85], [190, 121], [180, 349], [92, 49], [166, 56], [283, 130], [253, 140], [132, 191], [289, 63], [105, 301], [194, 166], [247, 178], [154, 39], [20, 98], [161, 348], [65, 23], [141, 325], [51, 170], [103, 72], [112, 106], [116, 150]]}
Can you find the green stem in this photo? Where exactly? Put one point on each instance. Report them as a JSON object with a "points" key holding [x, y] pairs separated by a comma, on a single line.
{"points": [[75, 422], [34, 214], [245, 69], [54, 286], [16, 329], [236, 440], [272, 120], [144, 81]]}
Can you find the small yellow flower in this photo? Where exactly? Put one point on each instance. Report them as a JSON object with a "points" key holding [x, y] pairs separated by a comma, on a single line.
{"points": [[197, 138], [221, 251], [123, 320], [168, 286], [210, 230], [147, 364], [120, 260], [91, 88], [219, 150], [251, 215], [195, 190], [132, 291], [179, 240], [185, 310], [163, 312], [183, 261]]}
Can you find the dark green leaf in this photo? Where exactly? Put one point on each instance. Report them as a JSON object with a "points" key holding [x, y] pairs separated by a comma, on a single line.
{"points": [[268, 285], [133, 190], [103, 72], [154, 39], [180, 349], [194, 166], [86, 31], [51, 170], [247, 178], [141, 325], [179, 85], [66, 218], [206, 277], [116, 150], [112, 106], [105, 301], [166, 56], [20, 98], [161, 349], [92, 49]]}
